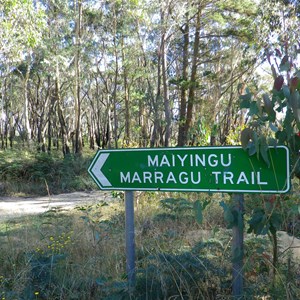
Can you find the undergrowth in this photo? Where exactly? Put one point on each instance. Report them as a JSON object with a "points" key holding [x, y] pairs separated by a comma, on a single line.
{"points": [[27, 173], [80, 254]]}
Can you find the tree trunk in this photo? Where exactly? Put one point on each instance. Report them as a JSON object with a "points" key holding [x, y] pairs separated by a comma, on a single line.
{"points": [[63, 127], [115, 116], [165, 83], [40, 117], [3, 120], [183, 89], [126, 95], [143, 139], [155, 132], [27, 129], [50, 130], [78, 136], [109, 129], [192, 87]]}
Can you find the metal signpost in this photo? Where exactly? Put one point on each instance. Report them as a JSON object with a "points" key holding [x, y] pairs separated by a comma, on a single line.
{"points": [[238, 248], [198, 169], [129, 237]]}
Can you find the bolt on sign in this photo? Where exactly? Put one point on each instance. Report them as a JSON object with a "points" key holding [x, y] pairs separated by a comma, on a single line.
{"points": [[202, 169]]}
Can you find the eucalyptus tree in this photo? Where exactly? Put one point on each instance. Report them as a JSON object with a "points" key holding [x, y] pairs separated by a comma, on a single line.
{"points": [[276, 120], [16, 49], [65, 59], [274, 112], [78, 7], [50, 61], [213, 28], [235, 45], [124, 73]]}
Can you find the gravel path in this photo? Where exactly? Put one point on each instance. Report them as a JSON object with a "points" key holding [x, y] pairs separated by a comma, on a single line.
{"points": [[11, 207]]}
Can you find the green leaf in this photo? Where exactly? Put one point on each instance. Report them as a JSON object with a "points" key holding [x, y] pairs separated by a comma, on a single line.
{"points": [[260, 250], [245, 100], [263, 150], [295, 104], [228, 215], [276, 220], [198, 211], [256, 142], [296, 209], [286, 92], [240, 220], [253, 108], [258, 222], [267, 103], [287, 123], [251, 148], [285, 64], [246, 136], [257, 216]]}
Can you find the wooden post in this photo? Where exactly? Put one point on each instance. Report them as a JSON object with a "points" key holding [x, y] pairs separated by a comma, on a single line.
{"points": [[129, 236], [238, 248]]}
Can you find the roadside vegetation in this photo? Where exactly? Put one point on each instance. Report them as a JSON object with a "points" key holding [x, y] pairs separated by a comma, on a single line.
{"points": [[182, 252], [25, 172]]}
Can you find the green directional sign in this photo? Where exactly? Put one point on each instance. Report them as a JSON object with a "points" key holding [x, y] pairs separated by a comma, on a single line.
{"points": [[203, 169]]}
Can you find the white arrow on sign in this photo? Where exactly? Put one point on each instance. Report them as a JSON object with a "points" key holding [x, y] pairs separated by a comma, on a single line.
{"points": [[97, 169]]}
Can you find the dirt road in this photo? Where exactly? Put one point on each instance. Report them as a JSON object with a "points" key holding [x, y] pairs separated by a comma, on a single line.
{"points": [[11, 207]]}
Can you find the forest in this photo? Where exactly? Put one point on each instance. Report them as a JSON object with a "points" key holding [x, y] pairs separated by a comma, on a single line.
{"points": [[144, 73], [77, 76]]}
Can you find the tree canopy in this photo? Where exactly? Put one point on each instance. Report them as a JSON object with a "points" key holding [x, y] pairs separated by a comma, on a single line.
{"points": [[137, 73]]}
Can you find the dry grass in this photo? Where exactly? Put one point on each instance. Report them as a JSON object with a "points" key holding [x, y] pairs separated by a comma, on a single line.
{"points": [[80, 254]]}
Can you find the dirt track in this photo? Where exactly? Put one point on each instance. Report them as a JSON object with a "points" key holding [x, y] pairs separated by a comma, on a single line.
{"points": [[11, 207]]}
